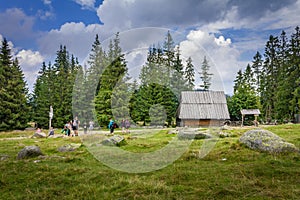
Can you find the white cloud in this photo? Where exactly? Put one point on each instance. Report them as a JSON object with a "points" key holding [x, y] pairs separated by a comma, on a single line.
{"points": [[45, 14], [31, 62], [120, 15], [47, 2], [16, 24], [222, 42], [222, 58], [86, 4], [77, 37], [208, 16], [283, 18], [30, 58]]}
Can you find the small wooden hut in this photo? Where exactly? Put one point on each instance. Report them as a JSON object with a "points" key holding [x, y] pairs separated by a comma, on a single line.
{"points": [[202, 108], [254, 112]]}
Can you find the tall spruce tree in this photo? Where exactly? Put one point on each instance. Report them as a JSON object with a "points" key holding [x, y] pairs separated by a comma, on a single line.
{"points": [[54, 87], [41, 96], [155, 70], [178, 82], [169, 54], [244, 96], [190, 74], [238, 80], [285, 86], [13, 92], [270, 77], [205, 75], [248, 77], [113, 73], [294, 58], [257, 70]]}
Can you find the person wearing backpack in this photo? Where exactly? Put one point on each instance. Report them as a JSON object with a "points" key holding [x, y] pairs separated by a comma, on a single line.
{"points": [[112, 126]]}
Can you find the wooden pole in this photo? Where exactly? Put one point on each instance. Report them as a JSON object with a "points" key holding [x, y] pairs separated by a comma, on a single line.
{"points": [[256, 122], [243, 120], [50, 117]]}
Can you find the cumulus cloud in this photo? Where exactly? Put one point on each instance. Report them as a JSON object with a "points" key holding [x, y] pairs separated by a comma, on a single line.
{"points": [[30, 58], [222, 42], [168, 13], [284, 17], [181, 14], [77, 37], [22, 24], [31, 62], [199, 20], [221, 58]]}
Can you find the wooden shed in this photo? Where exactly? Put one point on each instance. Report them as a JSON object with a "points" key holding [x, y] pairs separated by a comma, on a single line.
{"points": [[254, 112], [202, 108]]}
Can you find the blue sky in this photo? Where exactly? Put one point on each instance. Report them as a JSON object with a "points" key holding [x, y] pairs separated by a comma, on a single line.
{"points": [[230, 31]]}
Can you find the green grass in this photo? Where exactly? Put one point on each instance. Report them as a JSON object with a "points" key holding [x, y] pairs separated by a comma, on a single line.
{"points": [[229, 171]]}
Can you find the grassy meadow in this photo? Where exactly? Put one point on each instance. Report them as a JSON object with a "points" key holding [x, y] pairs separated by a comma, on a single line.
{"points": [[229, 171]]}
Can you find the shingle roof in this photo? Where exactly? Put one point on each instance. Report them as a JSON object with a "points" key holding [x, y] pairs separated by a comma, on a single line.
{"points": [[250, 112], [203, 105]]}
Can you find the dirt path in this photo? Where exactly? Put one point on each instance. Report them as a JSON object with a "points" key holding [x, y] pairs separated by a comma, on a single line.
{"points": [[13, 138]]}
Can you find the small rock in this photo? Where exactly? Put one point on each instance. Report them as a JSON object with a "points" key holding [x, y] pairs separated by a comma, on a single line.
{"points": [[173, 131], [29, 151], [56, 136], [225, 127], [4, 157], [69, 147], [223, 135], [39, 135]]}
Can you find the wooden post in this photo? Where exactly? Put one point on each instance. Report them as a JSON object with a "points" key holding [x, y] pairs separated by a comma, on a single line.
{"points": [[50, 117], [243, 120], [255, 121]]}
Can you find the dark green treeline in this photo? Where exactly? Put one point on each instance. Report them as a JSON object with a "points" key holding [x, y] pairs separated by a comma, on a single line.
{"points": [[272, 81], [104, 90]]}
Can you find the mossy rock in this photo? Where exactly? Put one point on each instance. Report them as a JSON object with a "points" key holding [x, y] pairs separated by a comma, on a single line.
{"points": [[264, 140], [193, 135], [116, 140]]}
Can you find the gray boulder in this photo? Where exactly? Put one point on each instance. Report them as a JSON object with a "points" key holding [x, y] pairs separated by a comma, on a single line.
{"points": [[69, 147], [116, 140], [194, 135], [29, 152], [264, 140]]}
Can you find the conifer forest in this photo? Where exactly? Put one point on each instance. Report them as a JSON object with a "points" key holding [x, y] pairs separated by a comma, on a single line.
{"points": [[103, 89]]}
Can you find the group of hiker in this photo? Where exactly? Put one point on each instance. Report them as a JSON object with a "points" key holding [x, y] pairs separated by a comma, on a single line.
{"points": [[71, 127], [125, 125]]}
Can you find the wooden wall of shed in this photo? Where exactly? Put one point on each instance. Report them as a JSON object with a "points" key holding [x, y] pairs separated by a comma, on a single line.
{"points": [[201, 122]]}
